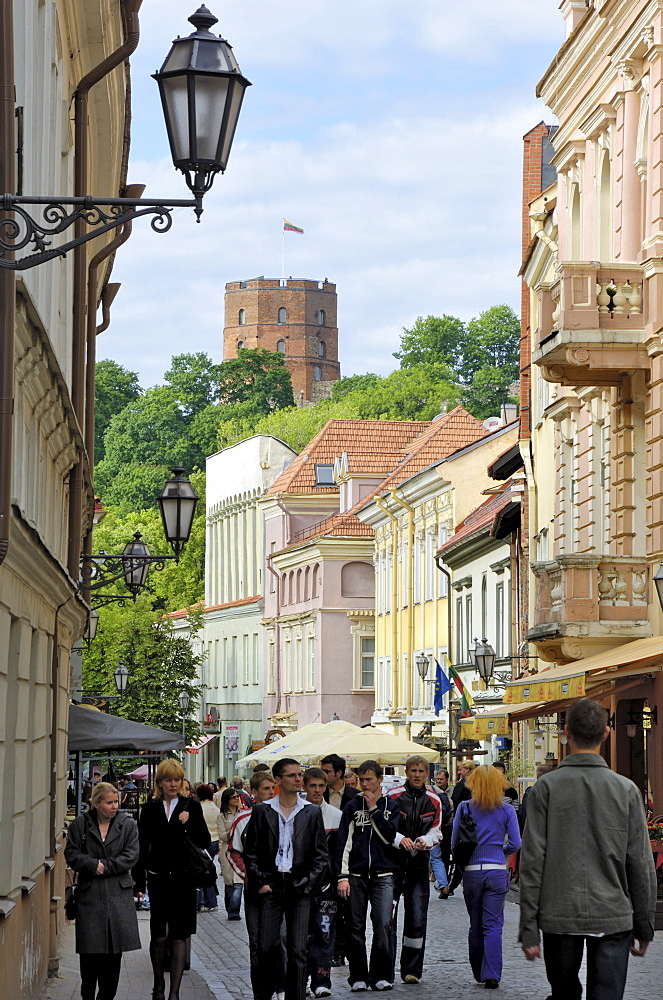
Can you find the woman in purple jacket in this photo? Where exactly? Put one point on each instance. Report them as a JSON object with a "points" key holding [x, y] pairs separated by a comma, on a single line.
{"points": [[486, 877]]}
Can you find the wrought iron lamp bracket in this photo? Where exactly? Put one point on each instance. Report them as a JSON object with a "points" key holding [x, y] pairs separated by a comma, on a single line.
{"points": [[18, 228], [100, 570]]}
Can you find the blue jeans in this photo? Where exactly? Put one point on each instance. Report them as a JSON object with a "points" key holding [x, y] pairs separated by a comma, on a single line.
{"points": [[607, 963], [322, 938], [379, 891], [438, 867], [233, 898], [414, 887], [485, 895]]}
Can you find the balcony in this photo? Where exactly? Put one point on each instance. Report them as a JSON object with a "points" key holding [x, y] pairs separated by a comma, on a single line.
{"points": [[591, 327], [587, 603]]}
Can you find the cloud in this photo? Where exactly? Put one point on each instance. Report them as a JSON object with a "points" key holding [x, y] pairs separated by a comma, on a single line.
{"points": [[410, 200]]}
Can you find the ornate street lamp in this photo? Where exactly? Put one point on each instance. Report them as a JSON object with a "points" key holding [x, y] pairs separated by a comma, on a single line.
{"points": [[201, 89], [484, 660], [183, 699], [422, 663], [121, 675], [177, 502]]}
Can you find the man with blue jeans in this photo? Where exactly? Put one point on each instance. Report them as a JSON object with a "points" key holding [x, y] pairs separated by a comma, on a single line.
{"points": [[365, 862], [586, 870], [420, 813]]}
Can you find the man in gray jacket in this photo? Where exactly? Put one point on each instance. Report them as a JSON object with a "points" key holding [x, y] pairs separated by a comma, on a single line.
{"points": [[586, 868]]}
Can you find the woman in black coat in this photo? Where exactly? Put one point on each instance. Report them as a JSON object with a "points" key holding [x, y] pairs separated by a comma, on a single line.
{"points": [[165, 824], [102, 847]]}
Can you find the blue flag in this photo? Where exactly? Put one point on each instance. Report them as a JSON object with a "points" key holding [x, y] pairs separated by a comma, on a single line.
{"points": [[442, 685]]}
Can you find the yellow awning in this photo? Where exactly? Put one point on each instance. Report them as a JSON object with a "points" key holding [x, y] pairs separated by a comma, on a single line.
{"points": [[587, 676], [495, 721]]}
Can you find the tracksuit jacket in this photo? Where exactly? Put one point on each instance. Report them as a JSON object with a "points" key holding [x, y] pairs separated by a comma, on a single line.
{"points": [[365, 838], [420, 816]]}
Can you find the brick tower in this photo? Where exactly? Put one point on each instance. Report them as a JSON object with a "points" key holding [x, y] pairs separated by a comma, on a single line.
{"points": [[295, 317]]}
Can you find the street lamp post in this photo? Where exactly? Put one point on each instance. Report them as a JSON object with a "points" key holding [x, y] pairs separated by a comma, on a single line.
{"points": [[183, 699], [484, 660]]}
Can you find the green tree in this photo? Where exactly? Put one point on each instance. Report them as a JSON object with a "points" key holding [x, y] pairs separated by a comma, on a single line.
{"points": [[129, 486], [415, 393], [114, 388], [488, 392], [160, 664], [257, 377], [343, 386], [493, 341], [433, 340], [295, 426], [194, 380]]}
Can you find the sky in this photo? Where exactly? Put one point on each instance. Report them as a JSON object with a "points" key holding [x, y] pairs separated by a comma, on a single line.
{"points": [[389, 131]]}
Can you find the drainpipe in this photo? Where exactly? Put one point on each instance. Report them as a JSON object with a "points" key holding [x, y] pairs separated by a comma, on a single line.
{"points": [[7, 276], [410, 607], [395, 652], [80, 306], [446, 572]]}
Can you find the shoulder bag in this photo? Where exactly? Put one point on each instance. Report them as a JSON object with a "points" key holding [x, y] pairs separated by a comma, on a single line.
{"points": [[466, 839], [198, 865]]}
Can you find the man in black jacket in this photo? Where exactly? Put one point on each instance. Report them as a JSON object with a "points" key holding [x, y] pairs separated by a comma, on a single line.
{"points": [[365, 862], [337, 793], [420, 814], [286, 856]]}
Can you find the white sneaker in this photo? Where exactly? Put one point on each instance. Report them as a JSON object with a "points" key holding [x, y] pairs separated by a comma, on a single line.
{"points": [[382, 984], [322, 991], [359, 987]]}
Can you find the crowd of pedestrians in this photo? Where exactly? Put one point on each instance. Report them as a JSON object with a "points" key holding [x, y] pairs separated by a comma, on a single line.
{"points": [[314, 853]]}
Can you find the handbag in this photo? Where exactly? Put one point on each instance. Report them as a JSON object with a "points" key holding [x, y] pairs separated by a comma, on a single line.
{"points": [[199, 865], [466, 837]]}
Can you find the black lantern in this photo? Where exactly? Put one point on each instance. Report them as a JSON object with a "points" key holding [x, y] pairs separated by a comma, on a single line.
{"points": [[121, 675], [422, 663], [91, 627], [484, 660], [201, 89], [177, 503], [183, 699], [658, 583], [135, 563]]}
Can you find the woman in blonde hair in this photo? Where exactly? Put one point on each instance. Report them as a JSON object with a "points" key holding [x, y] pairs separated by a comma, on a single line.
{"points": [[102, 846], [164, 825], [486, 877]]}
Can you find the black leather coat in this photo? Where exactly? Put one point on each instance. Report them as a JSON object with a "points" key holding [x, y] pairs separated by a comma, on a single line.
{"points": [[309, 841]]}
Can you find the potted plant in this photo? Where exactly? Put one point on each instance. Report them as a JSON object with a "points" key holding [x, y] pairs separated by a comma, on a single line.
{"points": [[656, 835]]}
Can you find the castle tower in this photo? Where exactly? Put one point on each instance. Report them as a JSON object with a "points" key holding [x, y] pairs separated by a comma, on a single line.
{"points": [[295, 317]]}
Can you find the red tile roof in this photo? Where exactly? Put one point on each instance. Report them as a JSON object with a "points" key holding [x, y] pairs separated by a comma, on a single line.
{"points": [[480, 519], [439, 439], [373, 448], [183, 612]]}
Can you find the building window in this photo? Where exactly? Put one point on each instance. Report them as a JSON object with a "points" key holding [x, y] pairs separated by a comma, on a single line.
{"points": [[499, 615], [310, 663], [322, 349], [240, 345], [321, 317], [459, 631], [367, 657], [417, 570], [255, 678], [468, 628], [271, 671], [282, 314], [484, 607], [241, 319], [245, 659], [317, 373], [298, 663], [324, 475], [287, 666], [280, 346]]}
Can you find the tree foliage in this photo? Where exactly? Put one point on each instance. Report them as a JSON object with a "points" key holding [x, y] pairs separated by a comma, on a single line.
{"points": [[160, 664], [115, 387], [257, 377], [435, 340]]}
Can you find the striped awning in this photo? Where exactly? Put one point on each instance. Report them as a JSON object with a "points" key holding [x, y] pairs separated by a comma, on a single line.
{"points": [[590, 676]]}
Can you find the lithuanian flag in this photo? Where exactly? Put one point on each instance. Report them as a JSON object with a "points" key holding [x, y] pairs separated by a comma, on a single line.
{"points": [[466, 699], [289, 228]]}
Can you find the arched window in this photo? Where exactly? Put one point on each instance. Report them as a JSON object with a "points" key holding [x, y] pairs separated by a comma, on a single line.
{"points": [[280, 347], [605, 215], [282, 314], [322, 349], [321, 317], [240, 345], [242, 317], [317, 373]]}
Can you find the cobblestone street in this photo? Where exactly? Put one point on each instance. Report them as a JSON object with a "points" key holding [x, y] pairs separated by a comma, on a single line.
{"points": [[219, 966]]}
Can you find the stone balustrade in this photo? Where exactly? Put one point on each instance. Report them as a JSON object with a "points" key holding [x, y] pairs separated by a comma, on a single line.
{"points": [[585, 588]]}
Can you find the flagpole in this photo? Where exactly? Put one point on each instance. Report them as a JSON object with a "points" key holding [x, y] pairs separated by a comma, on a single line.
{"points": [[283, 253]]}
